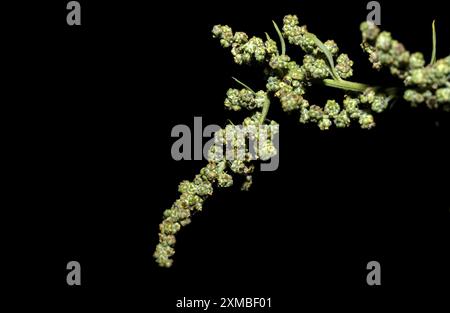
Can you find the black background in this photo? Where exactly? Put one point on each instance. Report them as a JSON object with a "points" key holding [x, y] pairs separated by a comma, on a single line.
{"points": [[95, 109]]}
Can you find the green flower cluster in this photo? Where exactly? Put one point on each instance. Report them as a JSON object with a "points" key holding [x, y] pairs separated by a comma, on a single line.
{"points": [[245, 98], [193, 194], [426, 84], [239, 145], [288, 81], [429, 85], [244, 49], [290, 90], [385, 51], [342, 115], [298, 35], [191, 199], [344, 66], [237, 160], [315, 60]]}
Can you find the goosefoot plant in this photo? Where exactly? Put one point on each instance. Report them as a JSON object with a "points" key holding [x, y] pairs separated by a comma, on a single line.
{"points": [[288, 80]]}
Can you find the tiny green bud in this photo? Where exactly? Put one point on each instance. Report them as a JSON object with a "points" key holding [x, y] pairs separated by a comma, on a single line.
{"points": [[332, 108]]}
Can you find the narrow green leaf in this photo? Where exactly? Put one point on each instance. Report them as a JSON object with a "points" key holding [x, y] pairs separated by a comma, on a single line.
{"points": [[280, 36], [345, 85], [327, 53], [433, 51], [264, 112], [247, 87]]}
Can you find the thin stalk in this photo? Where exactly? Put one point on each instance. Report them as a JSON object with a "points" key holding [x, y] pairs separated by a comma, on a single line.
{"points": [[345, 85], [358, 87]]}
